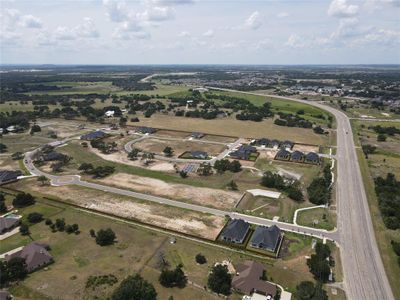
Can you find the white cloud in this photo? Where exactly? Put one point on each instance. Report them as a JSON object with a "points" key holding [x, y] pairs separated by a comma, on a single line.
{"points": [[85, 30], [131, 35], [254, 21], [377, 4], [282, 15], [184, 34], [295, 41], [170, 2], [341, 9], [116, 11], [209, 33], [30, 21], [157, 14]]}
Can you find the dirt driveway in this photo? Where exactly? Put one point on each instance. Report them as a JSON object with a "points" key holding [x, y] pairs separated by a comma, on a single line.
{"points": [[197, 195]]}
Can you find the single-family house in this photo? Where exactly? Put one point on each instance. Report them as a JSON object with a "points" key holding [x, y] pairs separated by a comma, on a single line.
{"points": [[248, 280], [274, 144], [7, 176], [199, 154], [243, 152], [263, 142], [109, 113], [235, 231], [297, 156], [146, 130], [94, 135], [8, 223], [312, 158], [283, 154], [197, 135], [266, 238], [288, 145], [36, 256]]}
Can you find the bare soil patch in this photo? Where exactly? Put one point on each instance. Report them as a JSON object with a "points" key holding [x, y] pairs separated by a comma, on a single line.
{"points": [[305, 148], [203, 196], [190, 222]]}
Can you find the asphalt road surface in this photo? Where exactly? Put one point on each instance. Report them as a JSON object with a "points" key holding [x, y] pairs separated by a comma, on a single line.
{"points": [[364, 274]]}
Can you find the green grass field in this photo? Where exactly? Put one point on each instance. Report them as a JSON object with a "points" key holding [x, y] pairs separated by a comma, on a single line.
{"points": [[326, 219]]}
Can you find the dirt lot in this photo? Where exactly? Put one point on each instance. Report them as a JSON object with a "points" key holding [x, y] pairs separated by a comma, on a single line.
{"points": [[155, 145], [305, 148], [190, 222], [122, 157], [203, 196]]}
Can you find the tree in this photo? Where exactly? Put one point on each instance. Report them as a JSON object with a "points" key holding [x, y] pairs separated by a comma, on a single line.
{"points": [[381, 137], [92, 233], [35, 128], [133, 154], [60, 224], [24, 229], [35, 217], [201, 259], [48, 222], [17, 156], [43, 179], [205, 169], [232, 185], [295, 193], [3, 207], [219, 280], [183, 174], [23, 199], [168, 151], [16, 269], [86, 167], [318, 264], [3, 148], [235, 166], [75, 228], [173, 278], [305, 290], [318, 193], [134, 288], [105, 237], [318, 130]]}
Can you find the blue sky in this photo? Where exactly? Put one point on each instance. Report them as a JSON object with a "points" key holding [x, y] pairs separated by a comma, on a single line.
{"points": [[200, 32]]}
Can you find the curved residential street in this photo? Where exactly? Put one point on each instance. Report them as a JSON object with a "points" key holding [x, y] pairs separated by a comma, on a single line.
{"points": [[364, 274]]}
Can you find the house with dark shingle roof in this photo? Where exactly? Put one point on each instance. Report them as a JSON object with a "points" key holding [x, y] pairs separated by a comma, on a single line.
{"points": [[248, 280], [243, 152], [266, 238], [94, 135], [282, 155], [274, 144], [312, 158], [262, 142], [36, 256], [297, 156], [7, 176], [235, 231], [197, 135], [146, 130], [288, 145], [8, 223], [199, 154]]}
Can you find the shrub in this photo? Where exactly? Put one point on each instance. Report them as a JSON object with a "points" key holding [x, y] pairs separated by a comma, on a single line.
{"points": [[35, 217], [23, 199], [201, 259], [105, 237]]}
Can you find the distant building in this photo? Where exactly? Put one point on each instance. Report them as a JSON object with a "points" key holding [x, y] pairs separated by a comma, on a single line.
{"points": [[248, 280], [146, 130], [243, 152], [199, 154], [109, 113], [235, 231], [9, 176], [36, 256], [288, 145], [312, 158], [266, 238], [8, 223], [197, 135], [94, 135], [283, 154], [297, 156]]}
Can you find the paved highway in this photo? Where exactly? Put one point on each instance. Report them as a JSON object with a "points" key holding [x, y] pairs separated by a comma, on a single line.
{"points": [[364, 274]]}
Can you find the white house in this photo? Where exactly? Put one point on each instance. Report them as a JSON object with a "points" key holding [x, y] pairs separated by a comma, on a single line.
{"points": [[109, 113]]}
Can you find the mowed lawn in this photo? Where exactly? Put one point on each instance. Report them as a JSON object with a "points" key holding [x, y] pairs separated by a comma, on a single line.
{"points": [[137, 250], [318, 217]]}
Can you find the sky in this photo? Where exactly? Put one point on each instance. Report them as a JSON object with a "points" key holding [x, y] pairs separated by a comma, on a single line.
{"points": [[200, 32]]}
